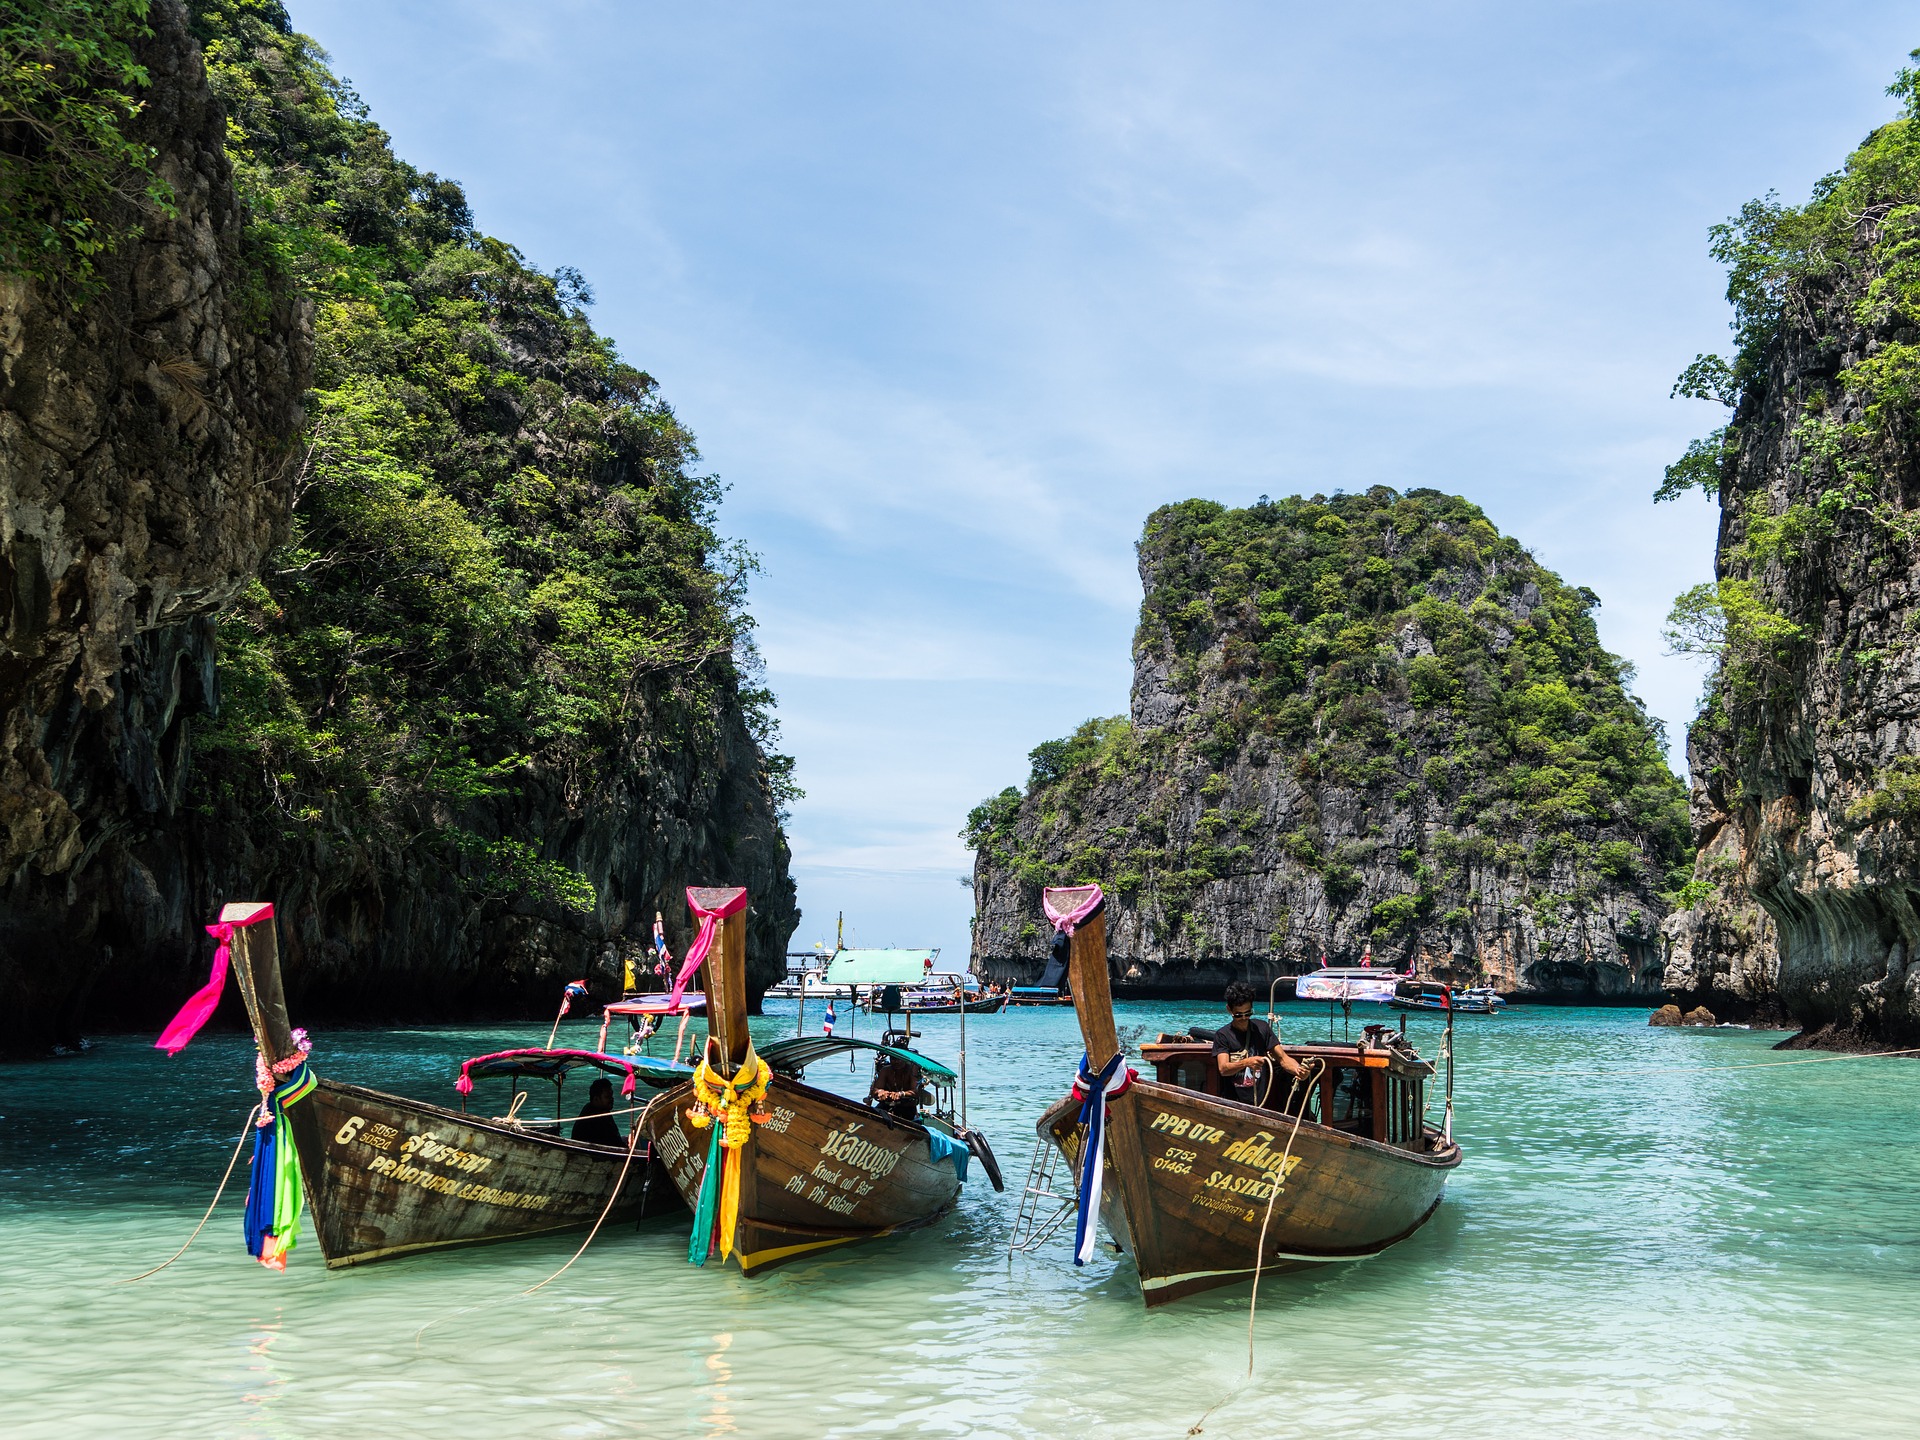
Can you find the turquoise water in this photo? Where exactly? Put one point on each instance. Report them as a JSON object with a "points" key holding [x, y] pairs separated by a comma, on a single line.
{"points": [[1673, 1252]]}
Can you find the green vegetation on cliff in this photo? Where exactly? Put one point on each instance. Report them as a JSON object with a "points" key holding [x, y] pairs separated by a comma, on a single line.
{"points": [[1855, 242], [501, 561], [1393, 647], [74, 174]]}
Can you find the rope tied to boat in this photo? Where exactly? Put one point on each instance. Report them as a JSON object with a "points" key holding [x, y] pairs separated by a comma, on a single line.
{"points": [[731, 1106], [1278, 1176], [1095, 1092], [246, 1130]]}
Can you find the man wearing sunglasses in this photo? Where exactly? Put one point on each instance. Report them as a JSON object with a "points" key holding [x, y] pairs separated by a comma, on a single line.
{"points": [[1245, 1048]]}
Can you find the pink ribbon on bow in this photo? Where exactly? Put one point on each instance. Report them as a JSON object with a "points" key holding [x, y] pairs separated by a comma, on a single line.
{"points": [[199, 1009], [1066, 920], [703, 942]]}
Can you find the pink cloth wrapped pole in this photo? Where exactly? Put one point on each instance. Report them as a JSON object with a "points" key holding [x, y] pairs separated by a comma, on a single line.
{"points": [[703, 942], [1065, 921], [199, 1009]]}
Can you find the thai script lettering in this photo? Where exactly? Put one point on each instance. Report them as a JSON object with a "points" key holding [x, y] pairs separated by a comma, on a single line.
{"points": [[845, 1146], [1258, 1151], [673, 1145], [432, 1148]]}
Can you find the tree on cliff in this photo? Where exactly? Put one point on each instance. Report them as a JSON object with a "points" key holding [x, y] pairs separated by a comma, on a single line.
{"points": [[1358, 719]]}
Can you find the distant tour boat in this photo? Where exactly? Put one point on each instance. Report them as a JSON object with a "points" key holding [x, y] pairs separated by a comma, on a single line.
{"points": [[1435, 995]]}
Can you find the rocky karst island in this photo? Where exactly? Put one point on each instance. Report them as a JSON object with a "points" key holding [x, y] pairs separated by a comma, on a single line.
{"points": [[1359, 723]]}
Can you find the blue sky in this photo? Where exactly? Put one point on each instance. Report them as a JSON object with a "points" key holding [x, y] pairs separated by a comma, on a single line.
{"points": [[953, 296]]}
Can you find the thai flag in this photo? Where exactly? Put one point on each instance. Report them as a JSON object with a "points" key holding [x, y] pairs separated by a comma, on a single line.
{"points": [[826, 1025], [576, 990]]}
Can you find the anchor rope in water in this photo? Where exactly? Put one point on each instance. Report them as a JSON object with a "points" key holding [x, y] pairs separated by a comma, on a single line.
{"points": [[606, 1210], [246, 1131], [1313, 1065], [633, 1144]]}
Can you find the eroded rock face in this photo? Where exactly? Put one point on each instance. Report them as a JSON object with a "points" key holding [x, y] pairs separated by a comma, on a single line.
{"points": [[146, 445], [1809, 746], [1722, 951], [1409, 740]]}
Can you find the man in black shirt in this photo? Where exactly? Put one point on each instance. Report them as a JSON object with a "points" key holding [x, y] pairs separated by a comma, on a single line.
{"points": [[596, 1125], [1245, 1048]]}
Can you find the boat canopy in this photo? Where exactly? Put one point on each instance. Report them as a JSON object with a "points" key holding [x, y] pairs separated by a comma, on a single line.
{"points": [[795, 1053], [880, 967], [661, 1004], [552, 1064], [1350, 982]]}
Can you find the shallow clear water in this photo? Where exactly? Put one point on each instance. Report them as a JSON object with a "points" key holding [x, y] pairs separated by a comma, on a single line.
{"points": [[1701, 1251]]}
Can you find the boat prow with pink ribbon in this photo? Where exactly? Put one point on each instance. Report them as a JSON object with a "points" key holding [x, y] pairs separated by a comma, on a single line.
{"points": [[390, 1175]]}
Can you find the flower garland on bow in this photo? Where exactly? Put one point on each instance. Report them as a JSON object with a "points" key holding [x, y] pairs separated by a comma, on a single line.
{"points": [[731, 1107], [1095, 1091], [272, 1220]]}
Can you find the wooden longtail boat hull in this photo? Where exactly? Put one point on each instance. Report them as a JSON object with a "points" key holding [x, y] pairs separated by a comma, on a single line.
{"points": [[385, 1175], [390, 1176], [823, 1171], [820, 1170], [1191, 1218], [1186, 1180]]}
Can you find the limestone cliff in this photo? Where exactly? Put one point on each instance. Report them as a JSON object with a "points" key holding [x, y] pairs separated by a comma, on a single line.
{"points": [[1810, 741], [454, 670], [1369, 720], [146, 452]]}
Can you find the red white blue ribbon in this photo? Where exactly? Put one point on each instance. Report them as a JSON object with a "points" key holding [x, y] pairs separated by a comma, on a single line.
{"points": [[1095, 1093]]}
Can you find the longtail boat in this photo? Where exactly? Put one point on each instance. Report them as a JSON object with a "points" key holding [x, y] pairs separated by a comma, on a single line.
{"points": [[774, 1168], [387, 1175], [1187, 1180]]}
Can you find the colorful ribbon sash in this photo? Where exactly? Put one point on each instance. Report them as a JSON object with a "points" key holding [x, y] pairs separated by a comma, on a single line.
{"points": [[729, 1106], [199, 1009], [272, 1218], [1095, 1092]]}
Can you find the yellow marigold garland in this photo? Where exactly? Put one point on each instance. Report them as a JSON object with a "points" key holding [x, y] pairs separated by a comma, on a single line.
{"points": [[738, 1104]]}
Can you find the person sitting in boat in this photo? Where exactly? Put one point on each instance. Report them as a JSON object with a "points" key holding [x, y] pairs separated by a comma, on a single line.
{"points": [[896, 1088], [596, 1125], [1244, 1049]]}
